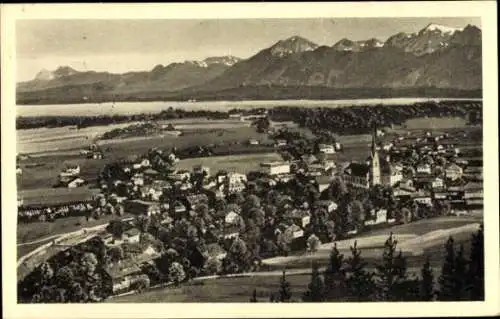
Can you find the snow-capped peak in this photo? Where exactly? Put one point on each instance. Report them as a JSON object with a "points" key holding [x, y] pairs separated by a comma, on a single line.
{"points": [[441, 28], [294, 44]]}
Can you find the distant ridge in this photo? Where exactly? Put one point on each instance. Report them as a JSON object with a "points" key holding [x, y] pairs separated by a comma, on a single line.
{"points": [[437, 56]]}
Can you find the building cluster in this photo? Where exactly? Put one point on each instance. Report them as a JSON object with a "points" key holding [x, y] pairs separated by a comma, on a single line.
{"points": [[424, 169]]}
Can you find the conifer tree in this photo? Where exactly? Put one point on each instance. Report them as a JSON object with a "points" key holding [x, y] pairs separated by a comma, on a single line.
{"points": [[360, 284], [334, 275], [392, 277], [447, 278], [284, 292], [427, 282], [316, 291], [460, 274], [475, 273], [254, 296]]}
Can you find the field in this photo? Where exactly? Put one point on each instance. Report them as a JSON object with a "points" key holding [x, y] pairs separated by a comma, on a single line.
{"points": [[42, 172], [28, 232], [49, 196], [237, 163]]}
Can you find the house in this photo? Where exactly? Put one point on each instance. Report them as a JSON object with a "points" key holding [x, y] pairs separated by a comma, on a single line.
{"points": [[151, 193], [308, 158], [396, 175], [231, 232], [473, 191], [138, 179], [231, 217], [121, 276], [326, 148], [142, 164], [424, 168], [299, 217], [323, 182], [329, 205], [437, 183], [141, 207], [203, 170], [253, 142], [74, 183], [290, 231], [151, 173], [179, 208], [422, 198], [280, 143], [131, 236], [192, 201], [453, 172], [235, 182], [275, 168], [71, 170], [180, 175]]}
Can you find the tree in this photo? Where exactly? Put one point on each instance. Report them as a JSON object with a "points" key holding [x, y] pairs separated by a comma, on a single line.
{"points": [[46, 273], [335, 277], [254, 296], [116, 253], [284, 292], [89, 263], [116, 228], [448, 280], [143, 222], [316, 288], [391, 273], [176, 273], [427, 282], [212, 266], [475, 274], [460, 274], [76, 293], [360, 284], [64, 277], [313, 243], [355, 216], [239, 254]]}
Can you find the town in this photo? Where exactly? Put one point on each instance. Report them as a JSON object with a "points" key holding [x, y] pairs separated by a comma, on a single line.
{"points": [[169, 225]]}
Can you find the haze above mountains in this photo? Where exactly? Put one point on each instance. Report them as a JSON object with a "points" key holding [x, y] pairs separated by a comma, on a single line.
{"points": [[436, 57]]}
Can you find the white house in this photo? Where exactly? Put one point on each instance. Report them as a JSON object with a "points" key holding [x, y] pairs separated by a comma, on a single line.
{"points": [[424, 168], [138, 179], [437, 183], [453, 172], [231, 217], [132, 235], [326, 148], [77, 182], [275, 168]]}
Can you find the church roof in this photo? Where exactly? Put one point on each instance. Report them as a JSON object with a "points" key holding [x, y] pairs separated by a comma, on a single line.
{"points": [[357, 169]]}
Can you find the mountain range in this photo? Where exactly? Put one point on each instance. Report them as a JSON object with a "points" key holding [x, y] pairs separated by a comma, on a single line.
{"points": [[437, 57]]}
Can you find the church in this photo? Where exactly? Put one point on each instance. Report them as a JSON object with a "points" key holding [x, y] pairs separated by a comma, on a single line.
{"points": [[375, 170]]}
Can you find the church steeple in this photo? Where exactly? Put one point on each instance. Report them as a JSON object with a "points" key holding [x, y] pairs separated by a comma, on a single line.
{"points": [[374, 138], [375, 174]]}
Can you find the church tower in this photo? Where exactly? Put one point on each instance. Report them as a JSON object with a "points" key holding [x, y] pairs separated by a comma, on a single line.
{"points": [[375, 175]]}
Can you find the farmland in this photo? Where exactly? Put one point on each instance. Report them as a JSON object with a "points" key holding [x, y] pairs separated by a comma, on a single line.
{"points": [[237, 163]]}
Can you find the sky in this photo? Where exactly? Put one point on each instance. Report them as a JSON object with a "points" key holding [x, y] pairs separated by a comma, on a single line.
{"points": [[119, 46]]}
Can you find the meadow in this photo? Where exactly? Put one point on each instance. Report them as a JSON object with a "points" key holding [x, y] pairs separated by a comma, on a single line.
{"points": [[232, 163]]}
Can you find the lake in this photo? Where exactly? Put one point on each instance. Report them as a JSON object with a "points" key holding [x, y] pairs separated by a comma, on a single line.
{"points": [[129, 108]]}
